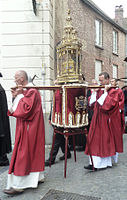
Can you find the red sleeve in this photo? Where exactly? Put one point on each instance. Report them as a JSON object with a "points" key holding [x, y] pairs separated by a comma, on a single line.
{"points": [[121, 99], [29, 105], [111, 102]]}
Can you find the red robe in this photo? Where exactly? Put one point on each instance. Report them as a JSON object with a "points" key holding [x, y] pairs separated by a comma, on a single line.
{"points": [[121, 107], [29, 149], [105, 133]]}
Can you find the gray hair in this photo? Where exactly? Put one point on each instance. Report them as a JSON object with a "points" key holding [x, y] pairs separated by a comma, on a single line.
{"points": [[106, 75]]}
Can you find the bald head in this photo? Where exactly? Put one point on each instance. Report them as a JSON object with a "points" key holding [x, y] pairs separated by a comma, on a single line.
{"points": [[113, 81], [21, 78], [94, 82]]}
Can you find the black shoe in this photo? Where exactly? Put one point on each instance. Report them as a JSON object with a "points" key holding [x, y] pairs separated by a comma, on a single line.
{"points": [[4, 162], [90, 167], [47, 162], [63, 157], [12, 191]]}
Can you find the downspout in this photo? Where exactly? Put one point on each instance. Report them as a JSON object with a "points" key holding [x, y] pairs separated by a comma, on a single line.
{"points": [[126, 56]]}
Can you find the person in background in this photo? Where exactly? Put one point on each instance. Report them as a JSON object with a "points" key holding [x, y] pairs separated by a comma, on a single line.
{"points": [[125, 100], [90, 110], [105, 135], [27, 164], [114, 83], [5, 136], [59, 143], [125, 106]]}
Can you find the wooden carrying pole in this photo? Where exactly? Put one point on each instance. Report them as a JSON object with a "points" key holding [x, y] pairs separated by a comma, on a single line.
{"points": [[40, 87], [99, 86], [58, 87], [44, 87]]}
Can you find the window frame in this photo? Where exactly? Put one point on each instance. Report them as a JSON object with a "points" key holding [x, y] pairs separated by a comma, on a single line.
{"points": [[97, 72], [115, 42], [115, 75], [98, 33]]}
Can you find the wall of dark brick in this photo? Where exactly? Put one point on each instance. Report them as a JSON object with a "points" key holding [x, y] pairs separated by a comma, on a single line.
{"points": [[83, 20]]}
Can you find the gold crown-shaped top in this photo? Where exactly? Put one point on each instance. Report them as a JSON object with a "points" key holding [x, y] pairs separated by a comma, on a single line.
{"points": [[69, 55], [70, 34]]}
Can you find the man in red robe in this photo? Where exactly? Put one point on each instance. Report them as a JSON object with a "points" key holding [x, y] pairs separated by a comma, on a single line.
{"points": [[113, 82], [105, 134], [27, 162]]}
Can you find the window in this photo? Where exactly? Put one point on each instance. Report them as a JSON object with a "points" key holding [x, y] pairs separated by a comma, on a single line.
{"points": [[115, 71], [98, 26], [115, 42], [98, 68]]}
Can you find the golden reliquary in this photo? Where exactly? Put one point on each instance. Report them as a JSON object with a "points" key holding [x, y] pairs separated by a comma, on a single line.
{"points": [[69, 55]]}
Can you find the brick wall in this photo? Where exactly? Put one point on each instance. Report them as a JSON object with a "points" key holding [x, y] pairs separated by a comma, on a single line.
{"points": [[83, 20]]}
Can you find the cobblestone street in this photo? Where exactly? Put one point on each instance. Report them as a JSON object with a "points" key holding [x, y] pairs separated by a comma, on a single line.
{"points": [[109, 184]]}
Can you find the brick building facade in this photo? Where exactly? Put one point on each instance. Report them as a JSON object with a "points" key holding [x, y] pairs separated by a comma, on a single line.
{"points": [[104, 52]]}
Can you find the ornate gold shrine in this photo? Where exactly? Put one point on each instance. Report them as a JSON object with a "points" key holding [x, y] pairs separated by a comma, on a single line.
{"points": [[69, 53], [69, 103], [69, 114]]}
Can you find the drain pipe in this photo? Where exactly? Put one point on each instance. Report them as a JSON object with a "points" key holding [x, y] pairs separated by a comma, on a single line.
{"points": [[126, 56], [43, 92]]}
